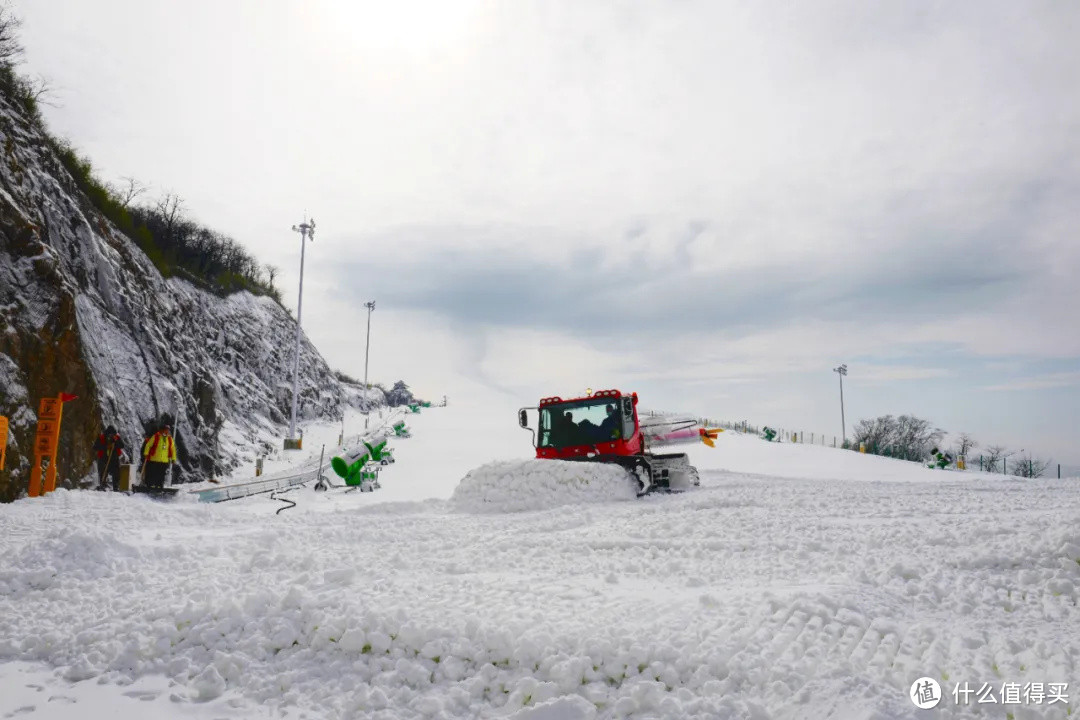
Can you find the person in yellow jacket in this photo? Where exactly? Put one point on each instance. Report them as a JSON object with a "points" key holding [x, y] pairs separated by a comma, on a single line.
{"points": [[158, 453]]}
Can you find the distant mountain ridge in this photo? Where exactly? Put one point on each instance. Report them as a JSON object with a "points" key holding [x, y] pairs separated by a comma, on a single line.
{"points": [[84, 311]]}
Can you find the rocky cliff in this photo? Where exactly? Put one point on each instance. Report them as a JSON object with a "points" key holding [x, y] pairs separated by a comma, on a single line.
{"points": [[84, 311]]}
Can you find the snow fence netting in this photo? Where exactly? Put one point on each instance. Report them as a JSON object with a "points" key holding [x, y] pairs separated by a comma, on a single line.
{"points": [[515, 486]]}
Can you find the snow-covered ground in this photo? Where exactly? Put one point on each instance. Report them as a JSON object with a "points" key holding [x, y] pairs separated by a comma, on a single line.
{"points": [[797, 582]]}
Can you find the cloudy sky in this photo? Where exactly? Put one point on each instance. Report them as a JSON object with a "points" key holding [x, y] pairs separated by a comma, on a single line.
{"points": [[712, 203]]}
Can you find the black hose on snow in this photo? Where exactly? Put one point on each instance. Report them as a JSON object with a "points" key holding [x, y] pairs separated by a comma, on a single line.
{"points": [[273, 496]]}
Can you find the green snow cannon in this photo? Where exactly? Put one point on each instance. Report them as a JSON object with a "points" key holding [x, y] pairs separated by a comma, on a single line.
{"points": [[425, 404], [376, 446], [349, 465], [400, 430], [414, 408], [369, 479], [939, 459]]}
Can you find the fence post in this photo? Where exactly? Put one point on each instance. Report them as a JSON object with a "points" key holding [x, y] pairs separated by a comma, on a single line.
{"points": [[1059, 471]]}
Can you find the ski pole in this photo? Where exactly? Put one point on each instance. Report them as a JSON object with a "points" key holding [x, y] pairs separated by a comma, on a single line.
{"points": [[108, 456]]}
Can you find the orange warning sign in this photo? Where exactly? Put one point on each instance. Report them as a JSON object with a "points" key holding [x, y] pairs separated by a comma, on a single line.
{"points": [[49, 409], [45, 443]]}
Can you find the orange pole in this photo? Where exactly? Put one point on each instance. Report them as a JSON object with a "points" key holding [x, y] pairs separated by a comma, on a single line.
{"points": [[50, 476], [35, 479], [3, 440]]}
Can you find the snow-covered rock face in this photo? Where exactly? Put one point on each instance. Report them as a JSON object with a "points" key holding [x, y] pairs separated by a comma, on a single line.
{"points": [[84, 311]]}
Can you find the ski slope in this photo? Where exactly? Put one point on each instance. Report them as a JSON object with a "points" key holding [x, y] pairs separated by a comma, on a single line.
{"points": [[797, 582]]}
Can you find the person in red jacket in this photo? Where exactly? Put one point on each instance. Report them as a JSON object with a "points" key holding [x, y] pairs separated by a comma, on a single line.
{"points": [[159, 453], [110, 451]]}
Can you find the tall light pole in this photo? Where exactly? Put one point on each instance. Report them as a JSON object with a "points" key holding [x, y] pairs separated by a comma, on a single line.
{"points": [[306, 230], [842, 371], [370, 305]]}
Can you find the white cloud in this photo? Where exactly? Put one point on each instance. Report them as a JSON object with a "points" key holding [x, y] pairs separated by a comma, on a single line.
{"points": [[882, 374], [1040, 382], [755, 195]]}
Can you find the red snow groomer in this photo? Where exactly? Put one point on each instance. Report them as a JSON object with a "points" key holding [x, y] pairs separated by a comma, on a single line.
{"points": [[604, 427]]}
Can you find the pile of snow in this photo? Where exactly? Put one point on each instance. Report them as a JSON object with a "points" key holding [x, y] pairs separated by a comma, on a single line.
{"points": [[514, 486]]}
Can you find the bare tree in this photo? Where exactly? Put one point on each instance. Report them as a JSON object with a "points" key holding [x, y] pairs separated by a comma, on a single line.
{"points": [[171, 208], [271, 272], [906, 437], [10, 47], [994, 453], [965, 444], [231, 253], [877, 434], [915, 437], [1028, 467], [34, 91], [128, 191]]}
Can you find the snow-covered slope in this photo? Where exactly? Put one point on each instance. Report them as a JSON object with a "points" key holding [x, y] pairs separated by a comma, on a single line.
{"points": [[823, 594], [84, 311], [744, 453]]}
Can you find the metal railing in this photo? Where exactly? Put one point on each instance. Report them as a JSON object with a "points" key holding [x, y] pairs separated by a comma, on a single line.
{"points": [[293, 477], [256, 487]]}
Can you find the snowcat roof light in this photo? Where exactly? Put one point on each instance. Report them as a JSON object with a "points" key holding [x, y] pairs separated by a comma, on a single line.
{"points": [[599, 393]]}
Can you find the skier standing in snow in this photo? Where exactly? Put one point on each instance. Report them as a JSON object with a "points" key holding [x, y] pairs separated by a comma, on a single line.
{"points": [[110, 449], [159, 452]]}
